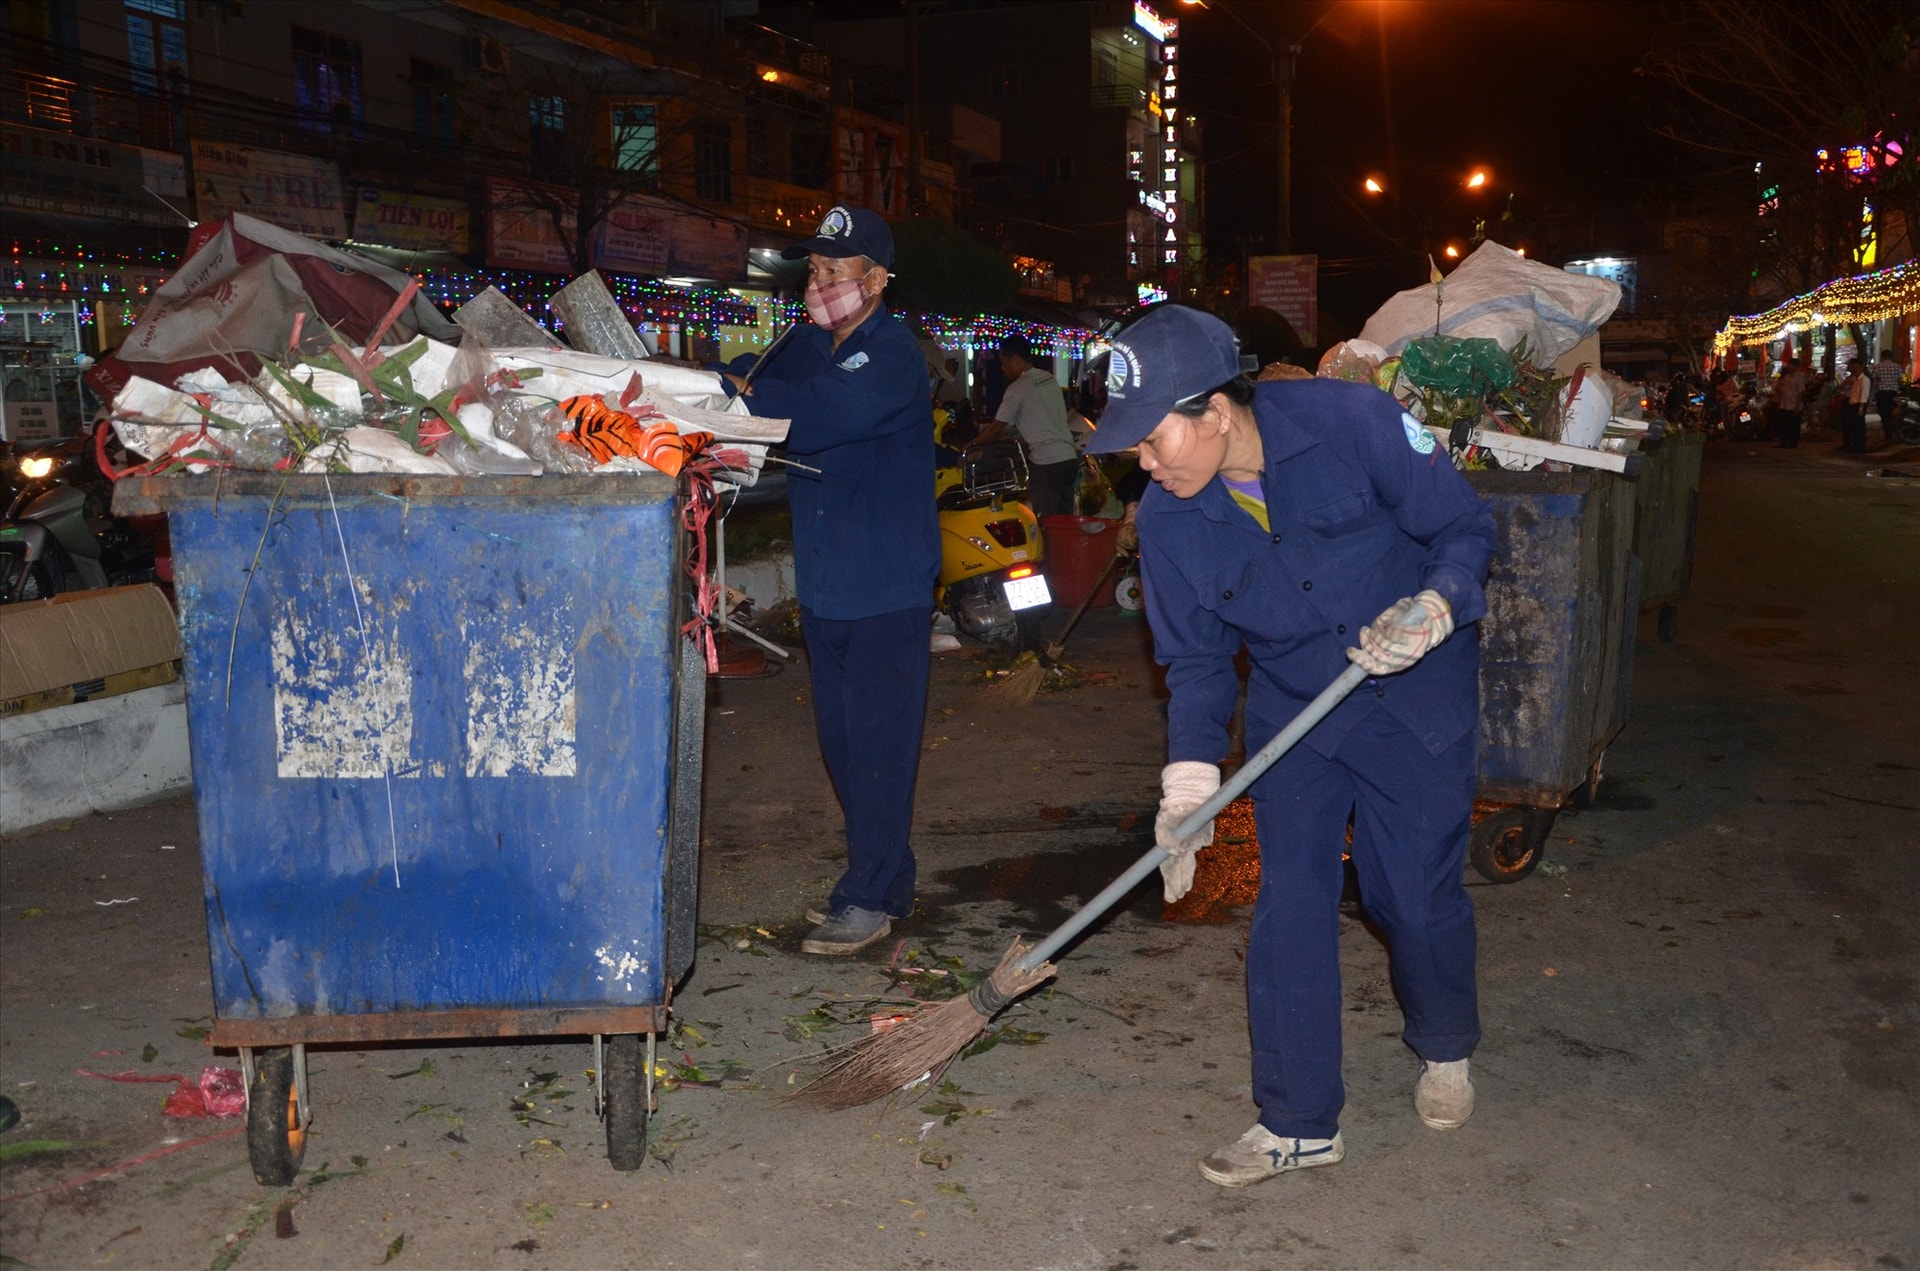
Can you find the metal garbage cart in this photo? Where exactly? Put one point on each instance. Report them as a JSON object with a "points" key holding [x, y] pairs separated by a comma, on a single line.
{"points": [[1556, 654], [446, 743], [1666, 513]]}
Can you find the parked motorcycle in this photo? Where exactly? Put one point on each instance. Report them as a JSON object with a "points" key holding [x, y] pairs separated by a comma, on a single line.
{"points": [[58, 534], [990, 581], [1904, 427]]}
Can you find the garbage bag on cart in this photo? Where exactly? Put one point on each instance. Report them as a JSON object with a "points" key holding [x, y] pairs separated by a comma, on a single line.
{"points": [[244, 289], [1499, 294]]}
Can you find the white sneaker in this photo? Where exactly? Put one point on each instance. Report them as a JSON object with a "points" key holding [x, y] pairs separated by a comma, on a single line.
{"points": [[1259, 1154], [1443, 1096]]}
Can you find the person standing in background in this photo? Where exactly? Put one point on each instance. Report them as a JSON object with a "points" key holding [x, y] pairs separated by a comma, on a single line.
{"points": [[1886, 384], [1788, 398], [1853, 411], [1034, 407]]}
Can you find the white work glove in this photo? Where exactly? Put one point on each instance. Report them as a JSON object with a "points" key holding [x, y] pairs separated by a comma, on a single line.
{"points": [[1184, 786], [1127, 538], [1402, 635]]}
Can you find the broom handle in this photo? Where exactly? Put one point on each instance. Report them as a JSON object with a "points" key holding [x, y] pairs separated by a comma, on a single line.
{"points": [[1091, 593], [1250, 771], [766, 357]]}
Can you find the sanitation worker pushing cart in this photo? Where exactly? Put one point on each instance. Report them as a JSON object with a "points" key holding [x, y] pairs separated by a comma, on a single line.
{"points": [[866, 548], [1314, 523]]}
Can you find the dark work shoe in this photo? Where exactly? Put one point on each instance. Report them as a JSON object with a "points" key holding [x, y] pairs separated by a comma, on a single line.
{"points": [[9, 1114], [847, 930]]}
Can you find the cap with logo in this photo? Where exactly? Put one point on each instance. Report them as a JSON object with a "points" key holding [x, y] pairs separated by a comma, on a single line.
{"points": [[1170, 355], [848, 231]]}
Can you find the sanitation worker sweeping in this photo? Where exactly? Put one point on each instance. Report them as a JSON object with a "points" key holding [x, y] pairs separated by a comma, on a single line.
{"points": [[1316, 525]]}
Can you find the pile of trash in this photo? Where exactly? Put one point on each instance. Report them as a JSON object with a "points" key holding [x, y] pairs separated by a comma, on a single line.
{"points": [[1472, 357], [268, 351]]}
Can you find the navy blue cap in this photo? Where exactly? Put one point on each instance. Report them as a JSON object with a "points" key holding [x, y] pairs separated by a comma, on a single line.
{"points": [[1170, 355], [848, 231]]}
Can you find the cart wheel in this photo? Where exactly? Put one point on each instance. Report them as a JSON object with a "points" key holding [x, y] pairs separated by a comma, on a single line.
{"points": [[276, 1142], [625, 1090], [1507, 844], [1668, 623]]}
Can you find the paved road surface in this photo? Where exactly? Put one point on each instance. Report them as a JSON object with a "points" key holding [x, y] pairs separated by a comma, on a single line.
{"points": [[1703, 1046]]}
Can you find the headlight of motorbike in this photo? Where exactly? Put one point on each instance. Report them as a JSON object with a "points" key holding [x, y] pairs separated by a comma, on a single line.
{"points": [[33, 467]]}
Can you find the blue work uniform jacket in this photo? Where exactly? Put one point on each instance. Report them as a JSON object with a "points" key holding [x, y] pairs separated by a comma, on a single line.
{"points": [[865, 537], [1364, 510]]}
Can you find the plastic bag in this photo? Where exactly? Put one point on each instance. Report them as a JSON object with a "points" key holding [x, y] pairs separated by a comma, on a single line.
{"points": [[1461, 367]]}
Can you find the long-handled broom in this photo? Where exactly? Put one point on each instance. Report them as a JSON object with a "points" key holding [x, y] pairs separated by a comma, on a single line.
{"points": [[877, 1065], [1022, 683]]}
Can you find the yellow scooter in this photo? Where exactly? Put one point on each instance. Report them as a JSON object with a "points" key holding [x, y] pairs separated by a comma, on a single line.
{"points": [[990, 580]]}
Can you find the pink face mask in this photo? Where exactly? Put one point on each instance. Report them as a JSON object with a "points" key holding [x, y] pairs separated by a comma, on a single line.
{"points": [[830, 304]]}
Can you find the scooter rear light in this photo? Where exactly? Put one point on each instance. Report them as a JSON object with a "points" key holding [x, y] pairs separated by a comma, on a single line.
{"points": [[1024, 571], [1008, 533]]}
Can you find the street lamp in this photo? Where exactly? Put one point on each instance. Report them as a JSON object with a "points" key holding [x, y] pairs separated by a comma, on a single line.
{"points": [[1376, 187]]}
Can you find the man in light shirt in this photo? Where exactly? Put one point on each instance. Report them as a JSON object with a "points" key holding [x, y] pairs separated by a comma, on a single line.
{"points": [[1034, 406]]}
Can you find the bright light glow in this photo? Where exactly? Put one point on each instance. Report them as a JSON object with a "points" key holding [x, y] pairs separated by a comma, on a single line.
{"points": [[1478, 179], [1519, 251], [1453, 253], [1374, 187], [771, 76], [1161, 29], [33, 467]]}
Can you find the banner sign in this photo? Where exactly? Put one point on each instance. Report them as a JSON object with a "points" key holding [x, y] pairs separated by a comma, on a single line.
{"points": [[521, 235], [294, 191], [414, 222], [1290, 286], [75, 176]]}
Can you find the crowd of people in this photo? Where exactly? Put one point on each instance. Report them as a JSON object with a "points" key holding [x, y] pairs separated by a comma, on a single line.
{"points": [[1795, 401]]}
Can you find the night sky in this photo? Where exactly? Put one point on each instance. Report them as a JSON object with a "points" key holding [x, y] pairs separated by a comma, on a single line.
{"points": [[1540, 92]]}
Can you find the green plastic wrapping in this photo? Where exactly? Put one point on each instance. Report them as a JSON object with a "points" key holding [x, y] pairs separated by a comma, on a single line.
{"points": [[1457, 365]]}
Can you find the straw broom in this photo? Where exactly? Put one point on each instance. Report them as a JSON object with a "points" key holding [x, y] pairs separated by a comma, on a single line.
{"points": [[1022, 684], [927, 1041]]}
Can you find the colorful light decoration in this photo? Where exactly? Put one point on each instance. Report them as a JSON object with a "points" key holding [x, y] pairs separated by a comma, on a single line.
{"points": [[44, 271], [1874, 297], [987, 331]]}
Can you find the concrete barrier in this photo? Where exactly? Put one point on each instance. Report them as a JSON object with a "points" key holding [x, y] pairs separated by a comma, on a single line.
{"points": [[93, 756]]}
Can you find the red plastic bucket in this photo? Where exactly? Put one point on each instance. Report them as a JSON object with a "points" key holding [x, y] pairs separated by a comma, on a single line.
{"points": [[1079, 549]]}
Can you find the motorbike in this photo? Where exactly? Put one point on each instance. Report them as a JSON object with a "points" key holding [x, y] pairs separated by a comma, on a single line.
{"points": [[990, 581], [58, 534], [1904, 427]]}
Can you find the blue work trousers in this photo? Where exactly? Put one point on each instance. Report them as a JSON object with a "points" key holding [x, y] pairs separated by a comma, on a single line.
{"points": [[869, 704], [1411, 814]]}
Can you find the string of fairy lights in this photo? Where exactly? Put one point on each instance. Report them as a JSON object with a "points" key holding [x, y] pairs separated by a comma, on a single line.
{"points": [[1884, 293], [52, 272]]}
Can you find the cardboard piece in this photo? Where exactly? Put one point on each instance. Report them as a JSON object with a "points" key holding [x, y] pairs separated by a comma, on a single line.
{"points": [[84, 635]]}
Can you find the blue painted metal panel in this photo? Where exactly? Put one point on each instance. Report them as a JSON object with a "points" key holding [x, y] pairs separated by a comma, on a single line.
{"points": [[433, 760], [1556, 646]]}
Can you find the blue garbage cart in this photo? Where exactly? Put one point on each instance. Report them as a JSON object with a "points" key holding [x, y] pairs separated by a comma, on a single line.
{"points": [[446, 741], [1556, 654], [1666, 515]]}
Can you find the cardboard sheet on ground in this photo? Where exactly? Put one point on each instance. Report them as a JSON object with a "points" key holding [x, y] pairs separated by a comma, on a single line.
{"points": [[1498, 294]]}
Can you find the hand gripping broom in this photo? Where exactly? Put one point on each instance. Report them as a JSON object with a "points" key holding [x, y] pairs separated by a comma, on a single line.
{"points": [[877, 1065]]}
